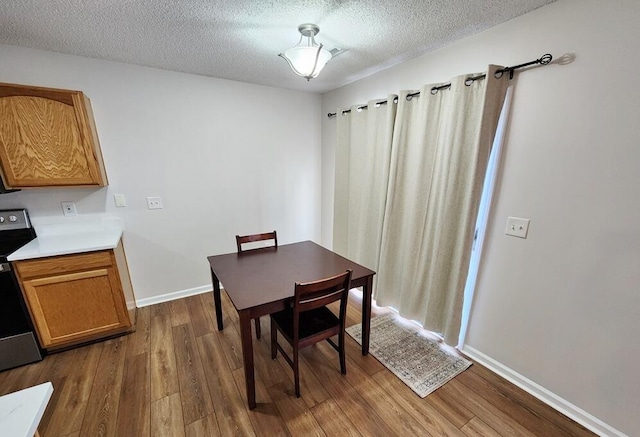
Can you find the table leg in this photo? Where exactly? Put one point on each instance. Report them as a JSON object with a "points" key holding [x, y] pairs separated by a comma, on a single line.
{"points": [[367, 289], [247, 357], [216, 299]]}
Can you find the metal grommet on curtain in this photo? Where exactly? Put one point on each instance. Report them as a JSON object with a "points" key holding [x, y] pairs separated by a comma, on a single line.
{"points": [[412, 95], [498, 74], [434, 90], [471, 79], [345, 112], [395, 100]]}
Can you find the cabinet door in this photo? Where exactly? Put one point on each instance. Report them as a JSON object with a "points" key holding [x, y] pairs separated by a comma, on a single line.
{"points": [[48, 138], [75, 307]]}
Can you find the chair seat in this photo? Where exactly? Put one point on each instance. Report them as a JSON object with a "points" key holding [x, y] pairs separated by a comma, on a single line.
{"points": [[311, 322]]}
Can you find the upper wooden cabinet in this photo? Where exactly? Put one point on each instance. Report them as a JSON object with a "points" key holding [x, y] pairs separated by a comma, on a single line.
{"points": [[48, 138]]}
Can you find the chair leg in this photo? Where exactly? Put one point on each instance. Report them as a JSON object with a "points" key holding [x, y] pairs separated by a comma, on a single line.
{"points": [[296, 371], [258, 330], [274, 340], [341, 352]]}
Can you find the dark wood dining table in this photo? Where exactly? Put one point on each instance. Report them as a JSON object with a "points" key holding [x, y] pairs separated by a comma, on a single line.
{"points": [[261, 281]]}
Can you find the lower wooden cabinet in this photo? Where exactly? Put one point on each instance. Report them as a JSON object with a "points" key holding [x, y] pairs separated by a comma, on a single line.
{"points": [[77, 298]]}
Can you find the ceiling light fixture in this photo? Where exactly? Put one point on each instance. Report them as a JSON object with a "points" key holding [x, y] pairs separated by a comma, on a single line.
{"points": [[307, 58]]}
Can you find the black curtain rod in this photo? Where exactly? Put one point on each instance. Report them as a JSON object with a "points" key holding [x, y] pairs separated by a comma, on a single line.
{"points": [[543, 60]]}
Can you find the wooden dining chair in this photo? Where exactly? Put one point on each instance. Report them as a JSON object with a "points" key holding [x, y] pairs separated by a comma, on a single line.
{"points": [[245, 239], [310, 321]]}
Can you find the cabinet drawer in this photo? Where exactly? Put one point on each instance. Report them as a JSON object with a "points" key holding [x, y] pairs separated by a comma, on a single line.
{"points": [[63, 264]]}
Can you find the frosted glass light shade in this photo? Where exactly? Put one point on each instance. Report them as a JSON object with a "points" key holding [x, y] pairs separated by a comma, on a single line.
{"points": [[303, 60]]}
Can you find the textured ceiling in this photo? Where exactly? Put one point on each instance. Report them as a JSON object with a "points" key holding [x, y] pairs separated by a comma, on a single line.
{"points": [[240, 39]]}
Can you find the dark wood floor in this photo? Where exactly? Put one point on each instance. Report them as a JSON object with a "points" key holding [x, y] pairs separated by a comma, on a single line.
{"points": [[178, 376]]}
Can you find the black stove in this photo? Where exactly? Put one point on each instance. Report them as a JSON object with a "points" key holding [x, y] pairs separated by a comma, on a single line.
{"points": [[15, 231], [18, 344]]}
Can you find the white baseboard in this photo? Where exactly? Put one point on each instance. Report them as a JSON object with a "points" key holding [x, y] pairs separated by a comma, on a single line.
{"points": [[173, 296], [565, 407]]}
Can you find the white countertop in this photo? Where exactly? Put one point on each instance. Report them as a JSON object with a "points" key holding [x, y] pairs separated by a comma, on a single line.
{"points": [[54, 240], [21, 412]]}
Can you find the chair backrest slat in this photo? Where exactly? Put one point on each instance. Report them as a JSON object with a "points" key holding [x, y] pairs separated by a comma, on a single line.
{"points": [[243, 239]]}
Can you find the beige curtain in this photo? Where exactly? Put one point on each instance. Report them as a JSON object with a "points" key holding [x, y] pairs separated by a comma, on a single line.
{"points": [[363, 153], [439, 152]]}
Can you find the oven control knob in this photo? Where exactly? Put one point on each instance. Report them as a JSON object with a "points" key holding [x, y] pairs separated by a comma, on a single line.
{"points": [[13, 218], [1, 219]]}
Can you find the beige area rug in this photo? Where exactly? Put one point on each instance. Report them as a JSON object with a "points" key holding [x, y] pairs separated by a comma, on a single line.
{"points": [[420, 362]]}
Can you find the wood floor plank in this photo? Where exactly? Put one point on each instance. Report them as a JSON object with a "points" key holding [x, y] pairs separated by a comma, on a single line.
{"points": [[526, 417], [160, 309], [392, 413], [205, 427], [57, 365], [295, 413], [230, 315], [231, 411], [490, 414], [477, 428], [265, 418], [102, 406], [449, 407], [366, 421], [139, 340], [166, 417], [164, 372], [58, 384], [232, 345], [72, 404], [179, 312], [528, 401], [432, 421], [368, 363], [196, 401], [134, 410], [161, 333], [201, 323], [358, 412], [332, 420], [311, 387], [270, 371]]}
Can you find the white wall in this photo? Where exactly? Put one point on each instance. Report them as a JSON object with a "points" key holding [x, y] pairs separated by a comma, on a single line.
{"points": [[226, 157], [561, 308]]}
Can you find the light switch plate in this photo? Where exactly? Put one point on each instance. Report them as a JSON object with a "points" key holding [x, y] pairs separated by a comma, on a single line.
{"points": [[120, 200], [517, 227]]}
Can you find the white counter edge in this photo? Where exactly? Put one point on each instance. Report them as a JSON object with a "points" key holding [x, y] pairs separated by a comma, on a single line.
{"points": [[22, 411]]}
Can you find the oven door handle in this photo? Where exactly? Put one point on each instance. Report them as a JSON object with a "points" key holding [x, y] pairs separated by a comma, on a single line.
{"points": [[5, 267]]}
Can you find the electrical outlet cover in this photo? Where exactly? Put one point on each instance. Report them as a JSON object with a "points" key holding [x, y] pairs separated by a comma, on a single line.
{"points": [[69, 209], [517, 227], [154, 202]]}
